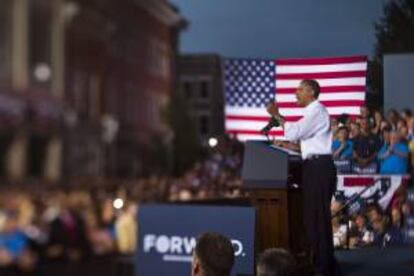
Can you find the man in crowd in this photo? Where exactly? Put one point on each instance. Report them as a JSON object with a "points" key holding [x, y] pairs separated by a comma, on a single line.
{"points": [[342, 151], [342, 146], [365, 149], [276, 262], [213, 255], [394, 156]]}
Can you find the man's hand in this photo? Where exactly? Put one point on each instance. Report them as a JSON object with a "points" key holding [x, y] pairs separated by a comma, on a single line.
{"points": [[279, 143], [272, 109]]}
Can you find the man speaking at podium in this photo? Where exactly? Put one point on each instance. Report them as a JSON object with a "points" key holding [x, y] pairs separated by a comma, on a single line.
{"points": [[319, 173]]}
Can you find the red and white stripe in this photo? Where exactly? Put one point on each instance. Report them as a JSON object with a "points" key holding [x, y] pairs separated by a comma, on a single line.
{"points": [[246, 123], [342, 82]]}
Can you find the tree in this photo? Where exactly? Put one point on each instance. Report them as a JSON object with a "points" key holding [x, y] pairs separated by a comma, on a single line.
{"points": [[395, 30], [186, 148], [395, 34]]}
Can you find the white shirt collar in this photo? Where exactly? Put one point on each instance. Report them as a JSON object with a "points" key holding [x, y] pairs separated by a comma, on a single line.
{"points": [[312, 105]]}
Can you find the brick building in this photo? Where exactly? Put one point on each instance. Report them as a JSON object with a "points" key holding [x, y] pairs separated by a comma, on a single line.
{"points": [[84, 82], [200, 82]]}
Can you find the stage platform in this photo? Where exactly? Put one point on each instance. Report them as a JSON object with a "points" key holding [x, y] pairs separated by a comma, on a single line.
{"points": [[377, 261]]}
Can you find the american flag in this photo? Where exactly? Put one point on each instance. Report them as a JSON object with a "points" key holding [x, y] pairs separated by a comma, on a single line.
{"points": [[251, 83]]}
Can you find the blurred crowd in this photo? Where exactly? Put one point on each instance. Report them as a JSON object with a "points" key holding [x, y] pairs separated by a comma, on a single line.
{"points": [[373, 144], [371, 226], [50, 223]]}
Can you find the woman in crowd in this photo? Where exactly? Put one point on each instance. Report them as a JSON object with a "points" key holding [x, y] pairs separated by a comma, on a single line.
{"points": [[378, 122]]}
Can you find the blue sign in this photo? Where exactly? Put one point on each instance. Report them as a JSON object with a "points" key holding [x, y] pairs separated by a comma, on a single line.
{"points": [[167, 235]]}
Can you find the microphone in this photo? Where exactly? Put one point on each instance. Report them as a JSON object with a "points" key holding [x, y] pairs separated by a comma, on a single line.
{"points": [[273, 122]]}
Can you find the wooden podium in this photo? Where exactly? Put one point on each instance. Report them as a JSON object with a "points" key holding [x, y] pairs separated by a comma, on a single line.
{"points": [[272, 176]]}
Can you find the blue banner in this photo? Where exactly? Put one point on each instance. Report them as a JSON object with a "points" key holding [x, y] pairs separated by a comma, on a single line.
{"points": [[167, 236]]}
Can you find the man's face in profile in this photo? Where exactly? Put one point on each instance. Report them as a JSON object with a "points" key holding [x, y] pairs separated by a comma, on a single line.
{"points": [[303, 95]]}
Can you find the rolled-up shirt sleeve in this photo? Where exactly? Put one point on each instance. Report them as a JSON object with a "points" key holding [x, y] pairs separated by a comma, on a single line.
{"points": [[305, 128]]}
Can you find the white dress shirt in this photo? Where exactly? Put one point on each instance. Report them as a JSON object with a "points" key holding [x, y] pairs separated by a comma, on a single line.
{"points": [[313, 131]]}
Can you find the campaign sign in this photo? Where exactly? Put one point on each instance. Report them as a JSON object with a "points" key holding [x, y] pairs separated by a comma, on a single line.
{"points": [[167, 235]]}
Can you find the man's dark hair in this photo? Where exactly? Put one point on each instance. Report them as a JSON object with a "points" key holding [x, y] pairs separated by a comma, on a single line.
{"points": [[386, 129], [215, 253], [343, 118], [407, 112], [314, 86], [276, 262]]}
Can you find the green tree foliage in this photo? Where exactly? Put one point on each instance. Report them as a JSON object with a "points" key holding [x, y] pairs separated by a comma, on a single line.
{"points": [[395, 30], [395, 34], [186, 148]]}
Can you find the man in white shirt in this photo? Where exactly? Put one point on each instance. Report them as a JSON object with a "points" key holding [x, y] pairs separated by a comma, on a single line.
{"points": [[319, 172]]}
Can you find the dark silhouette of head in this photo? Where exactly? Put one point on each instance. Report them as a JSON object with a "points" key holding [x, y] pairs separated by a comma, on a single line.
{"points": [[213, 255], [276, 262]]}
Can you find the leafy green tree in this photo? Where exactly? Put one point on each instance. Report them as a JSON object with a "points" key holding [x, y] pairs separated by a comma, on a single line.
{"points": [[395, 30], [395, 34], [186, 148]]}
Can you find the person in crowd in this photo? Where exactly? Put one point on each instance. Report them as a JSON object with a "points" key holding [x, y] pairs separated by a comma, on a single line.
{"points": [[373, 212], [379, 231], [355, 130], [366, 114], [339, 230], [383, 235], [339, 233], [276, 262], [410, 127], [100, 237], [361, 235], [213, 255], [406, 114], [393, 157], [67, 235], [393, 117], [344, 120], [410, 139], [396, 217], [402, 129], [334, 127], [12, 241], [365, 150], [342, 146], [126, 229], [385, 136], [378, 122], [392, 230]]}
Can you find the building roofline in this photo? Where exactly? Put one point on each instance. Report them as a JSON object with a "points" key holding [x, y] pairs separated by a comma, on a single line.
{"points": [[165, 12]]}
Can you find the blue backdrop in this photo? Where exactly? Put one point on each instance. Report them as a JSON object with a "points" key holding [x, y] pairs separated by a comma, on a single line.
{"points": [[167, 235]]}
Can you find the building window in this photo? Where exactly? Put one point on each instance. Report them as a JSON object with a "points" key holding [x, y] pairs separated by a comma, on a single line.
{"points": [[94, 97], [204, 90], [5, 142], [36, 156], [187, 89], [204, 125], [159, 58], [5, 40], [40, 16], [79, 91]]}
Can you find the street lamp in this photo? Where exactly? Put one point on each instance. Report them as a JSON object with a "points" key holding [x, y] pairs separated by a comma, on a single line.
{"points": [[212, 142]]}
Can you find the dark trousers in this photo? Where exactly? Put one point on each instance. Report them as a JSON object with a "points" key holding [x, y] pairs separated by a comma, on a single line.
{"points": [[318, 186]]}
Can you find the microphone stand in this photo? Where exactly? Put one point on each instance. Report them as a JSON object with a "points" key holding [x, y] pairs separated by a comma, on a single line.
{"points": [[266, 134]]}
